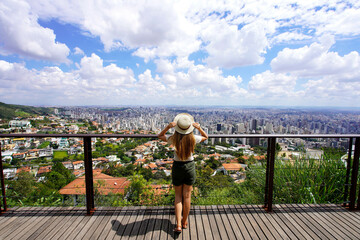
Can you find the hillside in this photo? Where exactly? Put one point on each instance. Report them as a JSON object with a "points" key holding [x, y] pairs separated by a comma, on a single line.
{"points": [[10, 111]]}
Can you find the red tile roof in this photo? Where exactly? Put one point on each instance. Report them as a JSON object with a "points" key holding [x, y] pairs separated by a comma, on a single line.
{"points": [[232, 166], [104, 184]]}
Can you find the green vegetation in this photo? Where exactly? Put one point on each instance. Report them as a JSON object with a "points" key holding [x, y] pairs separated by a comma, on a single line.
{"points": [[60, 155], [25, 191], [44, 145], [10, 111]]}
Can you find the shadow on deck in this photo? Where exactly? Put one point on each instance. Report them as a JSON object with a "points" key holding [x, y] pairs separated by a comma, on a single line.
{"points": [[288, 221]]}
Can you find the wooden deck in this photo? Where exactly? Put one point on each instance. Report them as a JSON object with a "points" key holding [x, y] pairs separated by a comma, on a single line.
{"points": [[205, 222]]}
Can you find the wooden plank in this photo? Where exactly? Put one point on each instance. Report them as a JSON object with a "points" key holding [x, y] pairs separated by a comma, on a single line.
{"points": [[277, 223], [237, 223], [213, 225], [264, 224], [192, 224], [19, 220], [227, 225], [79, 221], [339, 218], [199, 224], [51, 228], [13, 217], [105, 221], [116, 223], [314, 225], [57, 213], [122, 225], [144, 223], [342, 217], [151, 225], [35, 222], [167, 225], [108, 222], [206, 223], [290, 223], [8, 214], [328, 225], [260, 212], [158, 223], [250, 229], [186, 232], [77, 216], [172, 234], [353, 215], [300, 222], [252, 220], [87, 229], [136, 228]]}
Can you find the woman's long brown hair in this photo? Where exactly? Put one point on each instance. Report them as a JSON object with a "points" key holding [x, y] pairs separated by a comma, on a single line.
{"points": [[184, 144]]}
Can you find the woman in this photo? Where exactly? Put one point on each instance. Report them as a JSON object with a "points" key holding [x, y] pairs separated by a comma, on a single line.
{"points": [[183, 170]]}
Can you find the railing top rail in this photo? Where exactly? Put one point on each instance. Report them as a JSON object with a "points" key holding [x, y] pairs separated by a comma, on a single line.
{"points": [[43, 135]]}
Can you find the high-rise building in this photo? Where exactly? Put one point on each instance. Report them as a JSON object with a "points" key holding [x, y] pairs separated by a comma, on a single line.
{"points": [[253, 125]]}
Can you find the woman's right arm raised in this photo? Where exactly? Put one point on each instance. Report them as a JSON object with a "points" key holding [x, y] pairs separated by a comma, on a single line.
{"points": [[164, 131]]}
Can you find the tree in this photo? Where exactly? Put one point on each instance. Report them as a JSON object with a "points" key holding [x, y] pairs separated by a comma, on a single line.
{"points": [[212, 163], [23, 186]]}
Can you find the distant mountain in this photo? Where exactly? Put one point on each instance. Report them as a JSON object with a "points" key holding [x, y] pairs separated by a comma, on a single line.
{"points": [[10, 111]]}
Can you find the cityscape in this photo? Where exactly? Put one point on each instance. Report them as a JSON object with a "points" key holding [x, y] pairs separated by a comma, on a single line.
{"points": [[228, 156]]}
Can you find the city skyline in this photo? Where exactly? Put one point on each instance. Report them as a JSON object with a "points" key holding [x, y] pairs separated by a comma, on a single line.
{"points": [[233, 53]]}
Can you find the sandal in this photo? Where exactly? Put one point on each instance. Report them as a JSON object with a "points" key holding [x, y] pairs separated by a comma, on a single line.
{"points": [[177, 229]]}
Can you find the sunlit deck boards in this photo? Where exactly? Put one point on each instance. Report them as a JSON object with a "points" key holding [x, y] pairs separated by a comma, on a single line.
{"points": [[289, 221]]}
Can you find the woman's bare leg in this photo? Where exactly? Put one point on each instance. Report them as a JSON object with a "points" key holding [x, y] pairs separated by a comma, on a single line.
{"points": [[178, 204], [186, 203]]}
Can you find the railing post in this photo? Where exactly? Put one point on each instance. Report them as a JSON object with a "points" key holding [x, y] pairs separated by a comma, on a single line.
{"points": [[354, 175], [267, 172], [348, 168], [269, 185], [2, 185], [90, 206]]}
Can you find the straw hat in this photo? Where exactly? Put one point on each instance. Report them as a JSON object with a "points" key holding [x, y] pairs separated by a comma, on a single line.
{"points": [[184, 123]]}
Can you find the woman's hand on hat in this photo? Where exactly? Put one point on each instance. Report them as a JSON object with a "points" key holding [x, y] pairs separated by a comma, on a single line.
{"points": [[172, 124], [196, 125]]}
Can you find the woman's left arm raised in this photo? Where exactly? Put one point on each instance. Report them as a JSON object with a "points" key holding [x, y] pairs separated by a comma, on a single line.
{"points": [[164, 131]]}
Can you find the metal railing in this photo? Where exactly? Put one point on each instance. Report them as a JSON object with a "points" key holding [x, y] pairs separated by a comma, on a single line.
{"points": [[352, 167]]}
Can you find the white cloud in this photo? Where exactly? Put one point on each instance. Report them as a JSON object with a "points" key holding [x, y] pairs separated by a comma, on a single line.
{"points": [[230, 47], [316, 60], [269, 85], [97, 76], [21, 34], [78, 51]]}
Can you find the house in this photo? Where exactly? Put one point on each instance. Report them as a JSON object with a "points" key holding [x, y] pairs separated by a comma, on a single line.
{"points": [[46, 152], [19, 155], [19, 142], [152, 166], [23, 169], [9, 173], [112, 158], [20, 124], [63, 143], [43, 170], [32, 154], [104, 185], [233, 167], [78, 164], [68, 165]]}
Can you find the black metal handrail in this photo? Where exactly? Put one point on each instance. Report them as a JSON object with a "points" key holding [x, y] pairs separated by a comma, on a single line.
{"points": [[269, 184]]}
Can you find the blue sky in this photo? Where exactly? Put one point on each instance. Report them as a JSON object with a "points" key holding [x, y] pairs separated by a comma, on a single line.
{"points": [[278, 53]]}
